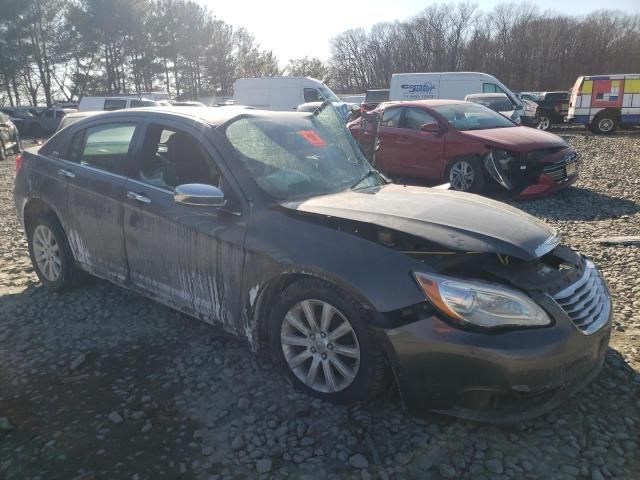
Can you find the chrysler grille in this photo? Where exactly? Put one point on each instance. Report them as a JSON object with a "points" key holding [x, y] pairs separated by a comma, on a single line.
{"points": [[558, 170], [587, 301]]}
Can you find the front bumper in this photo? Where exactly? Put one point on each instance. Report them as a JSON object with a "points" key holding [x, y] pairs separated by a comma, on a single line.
{"points": [[545, 186], [497, 377]]}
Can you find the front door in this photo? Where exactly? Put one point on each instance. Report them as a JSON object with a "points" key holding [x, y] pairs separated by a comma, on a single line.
{"points": [[95, 177], [189, 257], [420, 153]]}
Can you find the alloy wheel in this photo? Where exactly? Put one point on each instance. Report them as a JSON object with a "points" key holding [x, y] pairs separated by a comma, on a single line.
{"points": [[320, 346], [461, 176], [544, 123], [47, 253]]}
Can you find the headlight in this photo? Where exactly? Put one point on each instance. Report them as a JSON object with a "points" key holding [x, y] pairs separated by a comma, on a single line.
{"points": [[482, 304]]}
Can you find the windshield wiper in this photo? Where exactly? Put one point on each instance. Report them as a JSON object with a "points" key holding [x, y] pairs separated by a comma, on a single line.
{"points": [[370, 173]]}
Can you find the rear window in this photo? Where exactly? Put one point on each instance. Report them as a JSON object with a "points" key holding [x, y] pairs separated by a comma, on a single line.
{"points": [[495, 104], [377, 96], [114, 104]]}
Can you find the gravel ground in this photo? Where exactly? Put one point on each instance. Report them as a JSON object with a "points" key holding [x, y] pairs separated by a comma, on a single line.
{"points": [[102, 383]]}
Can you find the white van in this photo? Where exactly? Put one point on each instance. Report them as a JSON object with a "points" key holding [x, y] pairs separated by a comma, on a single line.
{"points": [[283, 93], [113, 103], [447, 85]]}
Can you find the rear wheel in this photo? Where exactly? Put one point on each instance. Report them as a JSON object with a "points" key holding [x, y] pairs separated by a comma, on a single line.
{"points": [[319, 338], [50, 253], [605, 123], [466, 175], [544, 122]]}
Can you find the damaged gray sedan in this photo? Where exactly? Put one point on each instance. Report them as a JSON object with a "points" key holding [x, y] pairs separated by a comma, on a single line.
{"points": [[274, 226]]}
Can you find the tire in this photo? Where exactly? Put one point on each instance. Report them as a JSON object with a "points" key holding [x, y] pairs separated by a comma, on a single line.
{"points": [[40, 231], [473, 182], [362, 359], [605, 123], [544, 122]]}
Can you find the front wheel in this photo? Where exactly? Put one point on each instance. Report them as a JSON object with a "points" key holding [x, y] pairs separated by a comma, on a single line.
{"points": [[50, 253], [319, 338], [466, 175]]}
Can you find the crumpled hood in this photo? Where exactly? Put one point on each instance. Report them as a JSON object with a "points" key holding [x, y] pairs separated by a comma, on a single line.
{"points": [[455, 220], [517, 139]]}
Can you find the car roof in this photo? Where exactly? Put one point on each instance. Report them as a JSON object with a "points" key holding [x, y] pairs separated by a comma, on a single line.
{"points": [[487, 95], [421, 103], [214, 116]]}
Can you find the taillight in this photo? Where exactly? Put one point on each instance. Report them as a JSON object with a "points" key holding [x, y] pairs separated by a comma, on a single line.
{"points": [[19, 162]]}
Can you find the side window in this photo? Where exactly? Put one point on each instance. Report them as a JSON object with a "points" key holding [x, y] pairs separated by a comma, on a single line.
{"points": [[106, 147], [492, 88], [75, 147], [114, 104], [391, 117], [311, 95], [414, 118], [137, 104], [170, 158]]}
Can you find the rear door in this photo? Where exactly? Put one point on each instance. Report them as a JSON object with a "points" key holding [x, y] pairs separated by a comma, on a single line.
{"points": [[99, 157], [389, 142], [187, 256]]}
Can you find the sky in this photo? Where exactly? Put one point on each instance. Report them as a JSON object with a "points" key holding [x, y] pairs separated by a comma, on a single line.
{"points": [[295, 28]]}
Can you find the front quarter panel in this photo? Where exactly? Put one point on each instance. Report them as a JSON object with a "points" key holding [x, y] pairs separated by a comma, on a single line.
{"points": [[279, 243]]}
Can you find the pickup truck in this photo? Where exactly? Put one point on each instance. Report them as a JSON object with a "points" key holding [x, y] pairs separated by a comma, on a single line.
{"points": [[552, 109]]}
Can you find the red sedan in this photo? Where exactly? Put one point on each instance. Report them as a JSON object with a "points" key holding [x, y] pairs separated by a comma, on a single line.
{"points": [[467, 145]]}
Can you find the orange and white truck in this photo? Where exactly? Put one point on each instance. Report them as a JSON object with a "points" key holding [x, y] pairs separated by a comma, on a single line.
{"points": [[605, 102]]}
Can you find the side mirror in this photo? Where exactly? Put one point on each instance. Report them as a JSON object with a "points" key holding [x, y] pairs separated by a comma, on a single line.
{"points": [[200, 195], [430, 128]]}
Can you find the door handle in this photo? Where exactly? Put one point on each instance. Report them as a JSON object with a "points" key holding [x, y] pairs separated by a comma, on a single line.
{"points": [[138, 198], [66, 173]]}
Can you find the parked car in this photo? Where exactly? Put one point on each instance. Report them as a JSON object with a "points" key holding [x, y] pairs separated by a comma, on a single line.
{"points": [[468, 145], [114, 103], [284, 93], [21, 118], [552, 108], [498, 102], [72, 118], [530, 109], [605, 102], [447, 85], [186, 103], [9, 137], [373, 98], [531, 96], [15, 119], [233, 216], [50, 119]]}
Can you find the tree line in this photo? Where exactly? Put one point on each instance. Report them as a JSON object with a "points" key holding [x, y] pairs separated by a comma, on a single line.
{"points": [[525, 48], [63, 49]]}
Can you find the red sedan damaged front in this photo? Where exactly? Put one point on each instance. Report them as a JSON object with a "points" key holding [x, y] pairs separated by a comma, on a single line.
{"points": [[467, 145]]}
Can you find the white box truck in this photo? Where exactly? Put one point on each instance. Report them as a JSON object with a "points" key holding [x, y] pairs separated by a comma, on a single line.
{"points": [[283, 93], [447, 85]]}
